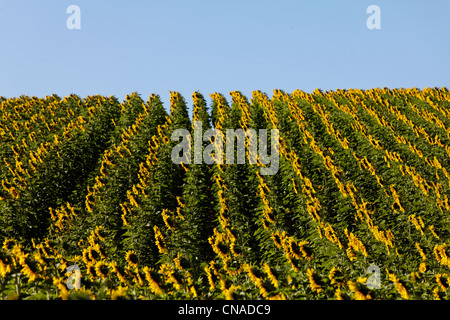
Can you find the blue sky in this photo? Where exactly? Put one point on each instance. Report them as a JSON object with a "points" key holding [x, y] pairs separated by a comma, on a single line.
{"points": [[220, 46]]}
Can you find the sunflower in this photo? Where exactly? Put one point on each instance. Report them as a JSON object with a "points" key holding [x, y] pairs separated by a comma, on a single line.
{"points": [[59, 283], [119, 271], [5, 267], [120, 293], [277, 239], [337, 277], [315, 287], [18, 255], [270, 275], [86, 256], [9, 244], [174, 278], [43, 251], [153, 277], [29, 269], [294, 248], [137, 277], [62, 264], [100, 232], [101, 269], [39, 258], [132, 259], [211, 276], [90, 268], [94, 253]]}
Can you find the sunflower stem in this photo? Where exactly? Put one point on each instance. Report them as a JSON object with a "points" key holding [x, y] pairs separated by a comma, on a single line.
{"points": [[18, 284]]}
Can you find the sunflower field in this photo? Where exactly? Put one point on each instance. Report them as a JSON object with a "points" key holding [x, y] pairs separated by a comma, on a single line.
{"points": [[93, 207]]}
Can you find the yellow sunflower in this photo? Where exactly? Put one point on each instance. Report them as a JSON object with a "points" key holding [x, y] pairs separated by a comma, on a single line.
{"points": [[102, 269], [100, 232], [9, 244], [86, 258], [119, 293], [90, 268], [152, 277], [132, 259], [30, 269], [5, 267], [120, 272], [95, 253]]}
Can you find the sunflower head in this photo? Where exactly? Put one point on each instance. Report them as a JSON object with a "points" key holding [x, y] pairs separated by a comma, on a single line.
{"points": [[86, 256], [100, 232], [38, 257], [337, 276], [43, 251], [9, 244], [136, 276], [120, 293], [132, 259], [6, 259], [277, 240], [101, 269], [30, 269], [90, 268], [120, 272], [94, 253], [295, 249]]}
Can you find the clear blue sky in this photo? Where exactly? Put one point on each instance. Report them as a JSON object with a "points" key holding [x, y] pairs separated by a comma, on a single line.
{"points": [[220, 46]]}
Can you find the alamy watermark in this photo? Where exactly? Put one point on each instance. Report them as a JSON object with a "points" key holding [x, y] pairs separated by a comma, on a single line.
{"points": [[74, 20], [374, 20], [74, 280], [374, 280], [214, 152]]}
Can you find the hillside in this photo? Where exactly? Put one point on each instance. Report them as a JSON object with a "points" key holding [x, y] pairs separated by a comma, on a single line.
{"points": [[357, 207]]}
